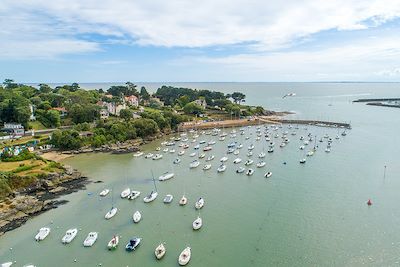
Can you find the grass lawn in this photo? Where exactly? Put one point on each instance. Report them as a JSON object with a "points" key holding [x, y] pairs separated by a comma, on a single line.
{"points": [[30, 167], [36, 125]]}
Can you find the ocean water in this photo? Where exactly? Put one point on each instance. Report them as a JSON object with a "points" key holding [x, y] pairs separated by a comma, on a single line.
{"points": [[304, 215]]}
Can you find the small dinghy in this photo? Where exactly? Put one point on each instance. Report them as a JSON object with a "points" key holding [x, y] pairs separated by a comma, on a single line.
{"points": [[248, 162], [138, 154], [168, 199], [223, 159], [302, 161], [207, 167], [237, 160], [133, 195], [207, 148], [199, 203], [111, 213], [261, 155], [166, 176], [177, 161], [159, 252], [157, 156], [90, 239], [221, 168], [192, 154], [149, 155], [104, 192], [240, 170], [133, 244], [181, 153], [7, 264], [249, 172], [249, 154], [184, 257], [310, 153], [42, 234], [236, 152], [194, 164], [210, 158], [251, 147], [137, 216], [268, 174], [150, 197], [183, 201], [113, 244], [125, 193], [271, 150], [197, 224], [327, 150], [261, 164], [69, 236]]}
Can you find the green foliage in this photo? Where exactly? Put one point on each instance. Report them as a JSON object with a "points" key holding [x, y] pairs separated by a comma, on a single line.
{"points": [[120, 90], [84, 113], [237, 97], [15, 109], [144, 95], [23, 155], [67, 140], [192, 108], [126, 114], [49, 118]]}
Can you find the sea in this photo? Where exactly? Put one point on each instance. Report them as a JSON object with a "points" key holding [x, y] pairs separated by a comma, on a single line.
{"points": [[312, 214]]}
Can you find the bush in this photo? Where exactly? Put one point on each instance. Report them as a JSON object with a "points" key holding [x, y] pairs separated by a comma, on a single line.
{"points": [[24, 155]]}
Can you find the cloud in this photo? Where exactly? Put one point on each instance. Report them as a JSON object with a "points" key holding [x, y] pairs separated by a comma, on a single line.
{"points": [[389, 72]]}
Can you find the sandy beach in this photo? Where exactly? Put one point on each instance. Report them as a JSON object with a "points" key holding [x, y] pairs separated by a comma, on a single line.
{"points": [[55, 156]]}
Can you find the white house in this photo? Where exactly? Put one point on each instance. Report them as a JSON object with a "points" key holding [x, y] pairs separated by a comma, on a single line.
{"points": [[132, 100], [201, 102]]}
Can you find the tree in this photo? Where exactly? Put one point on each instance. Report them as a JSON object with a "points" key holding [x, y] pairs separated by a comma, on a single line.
{"points": [[87, 113], [44, 88], [53, 118], [192, 108], [183, 100], [131, 89], [126, 114], [10, 84], [144, 94], [68, 139], [15, 109], [238, 97]]}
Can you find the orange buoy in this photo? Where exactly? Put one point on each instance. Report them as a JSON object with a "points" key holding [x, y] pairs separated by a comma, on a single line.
{"points": [[369, 203]]}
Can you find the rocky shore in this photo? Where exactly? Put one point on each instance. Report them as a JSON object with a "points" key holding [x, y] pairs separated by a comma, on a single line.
{"points": [[41, 196]]}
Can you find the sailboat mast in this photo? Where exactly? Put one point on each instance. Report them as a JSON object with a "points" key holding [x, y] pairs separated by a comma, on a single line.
{"points": [[154, 181]]}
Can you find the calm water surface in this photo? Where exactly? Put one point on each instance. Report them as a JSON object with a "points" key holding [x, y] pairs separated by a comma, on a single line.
{"points": [[304, 215]]}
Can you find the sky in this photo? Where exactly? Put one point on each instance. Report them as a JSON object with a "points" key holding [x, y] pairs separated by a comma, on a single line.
{"points": [[209, 40]]}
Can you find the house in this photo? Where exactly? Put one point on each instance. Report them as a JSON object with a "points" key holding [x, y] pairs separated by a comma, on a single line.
{"points": [[85, 134], [132, 100], [104, 114], [201, 102], [14, 129], [63, 112], [32, 110]]}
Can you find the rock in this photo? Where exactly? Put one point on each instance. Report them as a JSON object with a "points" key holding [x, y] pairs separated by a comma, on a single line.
{"points": [[57, 190]]}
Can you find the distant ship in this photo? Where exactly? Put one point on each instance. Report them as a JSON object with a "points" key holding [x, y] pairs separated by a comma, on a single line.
{"points": [[290, 94]]}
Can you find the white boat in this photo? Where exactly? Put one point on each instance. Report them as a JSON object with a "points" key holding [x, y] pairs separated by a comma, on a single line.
{"points": [[168, 199], [268, 174], [282, 145], [192, 154], [302, 147], [134, 194], [248, 162], [159, 252], [237, 160], [327, 150], [250, 153], [159, 148], [221, 168], [181, 153], [166, 176], [240, 170], [104, 192], [261, 164], [194, 164], [207, 148], [125, 193], [184, 257], [302, 161], [251, 147], [261, 155], [196, 147], [199, 203], [197, 223], [177, 161], [210, 158], [222, 138], [172, 151], [310, 153], [7, 264], [137, 216], [113, 243], [207, 167], [271, 150], [223, 159], [138, 154], [157, 156], [250, 172], [150, 197], [212, 142], [111, 213], [236, 152], [202, 156], [149, 155], [90, 239], [42, 234], [69, 236], [183, 201], [239, 146]]}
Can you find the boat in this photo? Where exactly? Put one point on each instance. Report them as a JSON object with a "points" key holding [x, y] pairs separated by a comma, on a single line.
{"points": [[172, 151], [113, 243], [302, 161], [196, 147], [210, 158], [261, 155], [166, 176], [183, 201], [69, 236], [149, 155], [223, 159], [261, 164], [310, 153], [194, 164], [197, 224], [237, 160], [271, 150], [199, 203], [192, 154], [184, 257], [222, 138], [104, 192], [207, 148], [236, 152], [134, 194], [202, 155], [7, 264], [125, 193], [207, 167], [344, 133], [138, 154], [90, 239], [248, 162], [168, 199], [221, 168], [181, 153], [157, 156], [137, 216], [249, 154], [159, 148], [159, 252], [239, 146], [240, 170], [133, 244], [251, 147], [177, 161], [111, 213], [327, 150], [42, 234], [185, 146], [282, 145], [302, 147], [212, 142], [150, 197], [268, 174], [249, 172]]}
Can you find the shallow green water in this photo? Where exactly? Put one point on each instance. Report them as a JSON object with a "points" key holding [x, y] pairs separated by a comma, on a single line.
{"points": [[311, 215]]}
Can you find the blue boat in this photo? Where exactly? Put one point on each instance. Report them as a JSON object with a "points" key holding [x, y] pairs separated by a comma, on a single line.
{"points": [[133, 243]]}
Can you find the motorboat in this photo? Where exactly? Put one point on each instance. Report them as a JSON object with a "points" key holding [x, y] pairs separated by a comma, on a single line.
{"points": [[192, 154], [207, 148], [172, 151], [197, 224], [223, 159], [327, 150], [302, 147], [207, 167], [199, 203], [149, 198], [282, 145], [250, 154], [196, 147], [202, 155], [210, 158], [181, 153], [248, 162], [159, 252], [177, 161], [271, 150], [183, 201], [125, 193], [212, 142], [69, 236], [42, 234], [138, 154], [221, 168], [134, 194], [113, 243], [104, 192], [239, 146], [240, 170], [194, 164], [268, 174], [261, 164], [261, 155], [202, 142], [230, 150], [184, 257], [137, 216], [251, 147], [185, 146], [250, 172], [310, 153], [166, 176], [159, 148], [149, 155], [222, 138], [303, 160], [236, 152], [111, 213], [90, 239], [168, 199], [237, 160], [7, 264], [157, 156], [133, 244]]}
